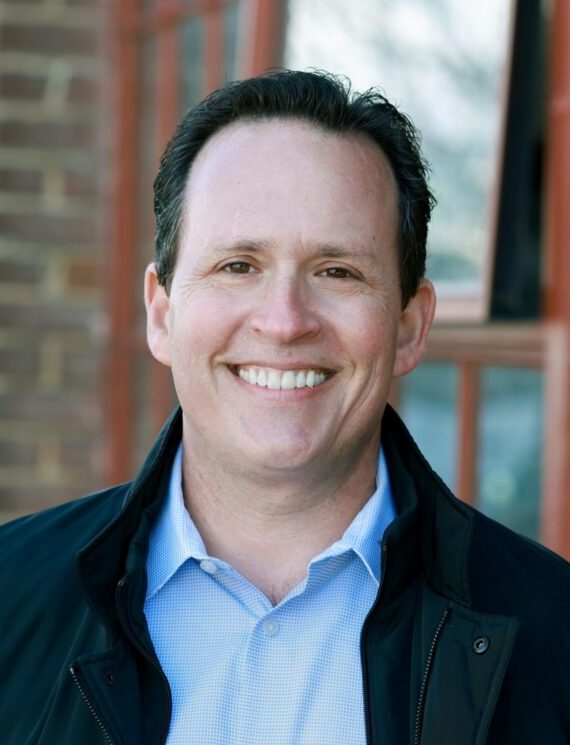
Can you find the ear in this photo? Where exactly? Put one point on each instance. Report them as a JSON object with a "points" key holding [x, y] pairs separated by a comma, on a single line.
{"points": [[415, 323], [157, 304]]}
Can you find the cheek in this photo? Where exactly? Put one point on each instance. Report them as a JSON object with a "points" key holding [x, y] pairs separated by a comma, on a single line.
{"points": [[372, 336], [203, 326]]}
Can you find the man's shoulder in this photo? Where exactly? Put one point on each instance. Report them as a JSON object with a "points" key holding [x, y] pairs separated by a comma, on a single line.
{"points": [[514, 575], [55, 535]]}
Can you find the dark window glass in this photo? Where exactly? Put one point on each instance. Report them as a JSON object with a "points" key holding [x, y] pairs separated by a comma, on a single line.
{"points": [[510, 447], [427, 405]]}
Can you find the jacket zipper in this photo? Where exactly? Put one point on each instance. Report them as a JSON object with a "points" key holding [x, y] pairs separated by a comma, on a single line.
{"points": [[427, 671], [90, 706], [134, 641], [364, 665]]}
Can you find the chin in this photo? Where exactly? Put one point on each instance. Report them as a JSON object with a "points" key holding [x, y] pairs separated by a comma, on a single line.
{"points": [[277, 457]]}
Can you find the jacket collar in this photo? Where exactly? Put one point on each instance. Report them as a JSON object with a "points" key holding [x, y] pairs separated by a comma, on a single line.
{"points": [[433, 531], [431, 534], [120, 548]]}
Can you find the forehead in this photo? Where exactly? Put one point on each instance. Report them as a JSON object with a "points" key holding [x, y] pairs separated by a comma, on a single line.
{"points": [[286, 174]]}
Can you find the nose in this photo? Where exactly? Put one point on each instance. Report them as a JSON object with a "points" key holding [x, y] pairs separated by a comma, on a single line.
{"points": [[284, 315]]}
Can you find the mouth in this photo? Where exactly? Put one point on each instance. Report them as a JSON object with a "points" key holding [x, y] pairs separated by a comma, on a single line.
{"points": [[285, 380]]}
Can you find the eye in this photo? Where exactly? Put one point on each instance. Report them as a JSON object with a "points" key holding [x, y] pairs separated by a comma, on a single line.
{"points": [[238, 267], [338, 272]]}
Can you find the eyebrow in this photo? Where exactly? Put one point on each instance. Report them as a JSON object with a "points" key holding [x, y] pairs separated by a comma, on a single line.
{"points": [[243, 246], [326, 250]]}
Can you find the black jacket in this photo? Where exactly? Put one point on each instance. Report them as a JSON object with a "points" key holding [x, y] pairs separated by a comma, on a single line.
{"points": [[467, 643]]}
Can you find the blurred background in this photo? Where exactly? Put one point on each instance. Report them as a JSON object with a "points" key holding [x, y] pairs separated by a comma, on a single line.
{"points": [[90, 91]]}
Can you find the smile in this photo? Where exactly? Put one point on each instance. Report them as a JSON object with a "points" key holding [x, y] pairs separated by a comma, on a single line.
{"points": [[286, 380]]}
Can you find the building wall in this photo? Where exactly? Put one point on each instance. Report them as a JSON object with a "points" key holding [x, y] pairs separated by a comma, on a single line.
{"points": [[79, 397], [55, 170]]}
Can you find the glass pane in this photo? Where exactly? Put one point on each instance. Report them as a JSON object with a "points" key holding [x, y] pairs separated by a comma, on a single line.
{"points": [[192, 45], [231, 30], [442, 62], [427, 405], [191, 56], [510, 447]]}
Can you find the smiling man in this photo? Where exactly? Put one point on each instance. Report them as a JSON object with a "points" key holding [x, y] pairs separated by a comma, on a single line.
{"points": [[286, 568]]}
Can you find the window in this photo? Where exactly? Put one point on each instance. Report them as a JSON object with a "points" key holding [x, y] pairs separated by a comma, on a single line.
{"points": [[446, 65]]}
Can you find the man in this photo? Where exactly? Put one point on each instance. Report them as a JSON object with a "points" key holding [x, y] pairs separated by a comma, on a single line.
{"points": [[286, 568]]}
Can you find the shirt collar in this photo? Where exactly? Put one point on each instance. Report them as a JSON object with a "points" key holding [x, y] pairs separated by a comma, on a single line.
{"points": [[175, 539], [364, 534]]}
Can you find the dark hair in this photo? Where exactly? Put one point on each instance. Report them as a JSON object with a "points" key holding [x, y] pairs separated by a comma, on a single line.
{"points": [[327, 102]]}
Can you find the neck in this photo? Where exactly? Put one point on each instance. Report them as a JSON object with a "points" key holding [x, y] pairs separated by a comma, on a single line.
{"points": [[270, 528]]}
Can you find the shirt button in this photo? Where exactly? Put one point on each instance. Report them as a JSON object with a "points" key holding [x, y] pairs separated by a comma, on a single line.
{"points": [[208, 566], [271, 628]]}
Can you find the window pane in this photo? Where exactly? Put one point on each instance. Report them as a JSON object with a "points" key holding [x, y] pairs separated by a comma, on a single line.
{"points": [[231, 31], [442, 61], [510, 447], [191, 62], [427, 405], [193, 52]]}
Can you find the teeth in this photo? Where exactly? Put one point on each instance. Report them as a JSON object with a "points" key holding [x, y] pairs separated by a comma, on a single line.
{"points": [[285, 380], [288, 380], [273, 380]]}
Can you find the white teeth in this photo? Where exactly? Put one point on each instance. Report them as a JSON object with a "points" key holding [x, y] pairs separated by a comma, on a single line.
{"points": [[273, 380], [286, 380]]}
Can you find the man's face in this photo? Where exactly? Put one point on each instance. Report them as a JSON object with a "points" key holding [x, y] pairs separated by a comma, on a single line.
{"points": [[283, 326]]}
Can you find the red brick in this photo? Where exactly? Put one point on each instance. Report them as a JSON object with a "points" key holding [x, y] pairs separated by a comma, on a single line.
{"points": [[83, 274], [82, 369], [51, 40], [21, 360], [22, 87], [44, 317], [29, 499], [49, 228], [18, 453], [77, 453], [20, 180], [76, 184], [78, 411], [47, 134], [16, 271], [83, 90]]}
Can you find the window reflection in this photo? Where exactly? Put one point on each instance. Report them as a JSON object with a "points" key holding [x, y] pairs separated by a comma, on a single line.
{"points": [[427, 405], [510, 446], [442, 61]]}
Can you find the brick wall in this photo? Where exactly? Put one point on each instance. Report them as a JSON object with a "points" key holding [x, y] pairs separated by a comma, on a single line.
{"points": [[55, 177]]}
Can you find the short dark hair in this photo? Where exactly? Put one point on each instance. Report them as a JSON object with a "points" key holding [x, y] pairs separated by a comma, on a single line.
{"points": [[326, 101]]}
